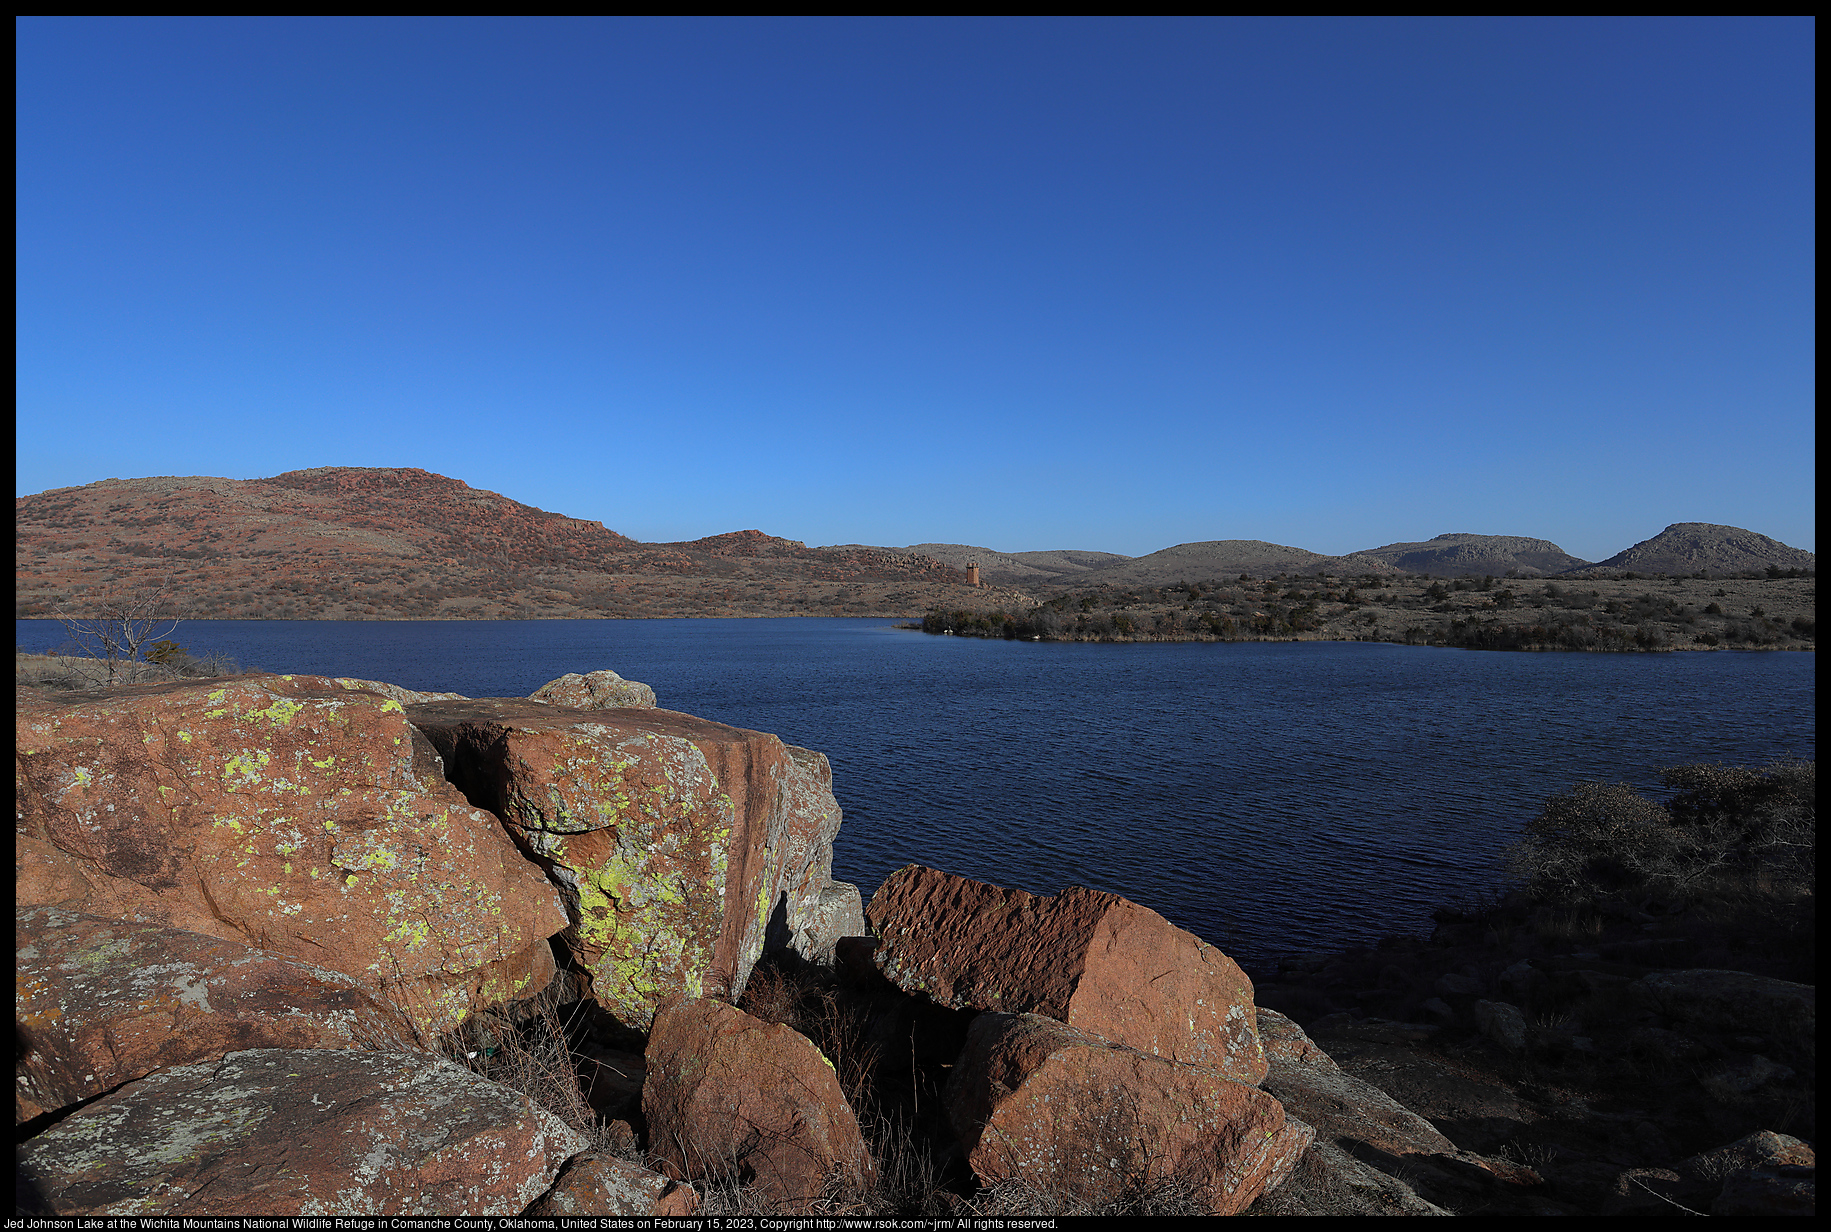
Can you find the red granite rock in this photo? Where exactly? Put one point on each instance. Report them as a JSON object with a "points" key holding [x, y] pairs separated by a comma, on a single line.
{"points": [[683, 843], [282, 1132], [729, 1096], [1310, 1085], [288, 813], [1037, 1101], [1093, 960], [102, 1002], [601, 690], [605, 1185]]}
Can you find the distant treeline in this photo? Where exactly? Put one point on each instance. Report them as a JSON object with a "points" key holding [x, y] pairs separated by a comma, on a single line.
{"points": [[1476, 613]]}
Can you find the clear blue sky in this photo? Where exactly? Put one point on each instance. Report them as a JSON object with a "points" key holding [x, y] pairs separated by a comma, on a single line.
{"points": [[1110, 284]]}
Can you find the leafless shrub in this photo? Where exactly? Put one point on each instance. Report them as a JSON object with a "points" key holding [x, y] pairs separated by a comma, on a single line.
{"points": [[113, 626]]}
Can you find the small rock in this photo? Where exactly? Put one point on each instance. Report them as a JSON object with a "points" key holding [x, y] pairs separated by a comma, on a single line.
{"points": [[1648, 1191], [1668, 1046], [1452, 985], [1756, 1150], [1744, 1077], [1502, 1023], [1782, 1189], [605, 1185]]}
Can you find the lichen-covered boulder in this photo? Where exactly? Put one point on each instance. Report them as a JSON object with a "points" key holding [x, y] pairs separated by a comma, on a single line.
{"points": [[288, 813], [102, 1002], [731, 1097], [1093, 960], [1037, 1101], [603, 690], [284, 1132], [682, 845]]}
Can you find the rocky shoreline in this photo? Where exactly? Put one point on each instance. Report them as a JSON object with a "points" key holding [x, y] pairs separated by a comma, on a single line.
{"points": [[297, 944]]}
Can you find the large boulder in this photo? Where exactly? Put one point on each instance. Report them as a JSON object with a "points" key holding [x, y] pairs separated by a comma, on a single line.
{"points": [[1340, 1106], [732, 1098], [288, 1133], [1036, 1101], [604, 690], [1093, 960], [1348, 1111], [682, 844], [289, 813], [1329, 1181], [1736, 1001], [103, 1002]]}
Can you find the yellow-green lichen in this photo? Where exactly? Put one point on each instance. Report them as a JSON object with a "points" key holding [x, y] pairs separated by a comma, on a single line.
{"points": [[280, 713]]}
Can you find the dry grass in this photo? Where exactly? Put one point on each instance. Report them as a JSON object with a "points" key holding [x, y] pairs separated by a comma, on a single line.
{"points": [[531, 1053], [74, 672]]}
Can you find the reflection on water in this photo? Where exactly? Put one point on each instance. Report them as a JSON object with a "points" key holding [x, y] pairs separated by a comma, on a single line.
{"points": [[1268, 796]]}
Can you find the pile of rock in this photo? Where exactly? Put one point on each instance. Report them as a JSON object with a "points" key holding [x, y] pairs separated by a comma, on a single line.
{"points": [[267, 925], [255, 914]]}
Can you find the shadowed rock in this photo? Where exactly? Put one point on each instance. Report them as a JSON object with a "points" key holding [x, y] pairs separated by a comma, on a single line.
{"points": [[1037, 1101], [1090, 959], [283, 1132], [605, 1185], [732, 1098], [1736, 1001], [1311, 1086], [102, 1002]]}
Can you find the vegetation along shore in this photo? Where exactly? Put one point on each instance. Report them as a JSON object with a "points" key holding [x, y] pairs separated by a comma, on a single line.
{"points": [[1625, 613]]}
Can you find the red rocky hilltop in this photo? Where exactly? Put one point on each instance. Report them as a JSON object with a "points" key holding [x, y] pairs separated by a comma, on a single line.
{"points": [[349, 543]]}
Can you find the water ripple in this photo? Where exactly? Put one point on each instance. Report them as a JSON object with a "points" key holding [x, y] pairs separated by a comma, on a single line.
{"points": [[1268, 796]]}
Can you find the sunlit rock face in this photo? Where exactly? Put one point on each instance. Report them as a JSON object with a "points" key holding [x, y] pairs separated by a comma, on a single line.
{"points": [[1090, 959], [292, 814], [684, 847]]}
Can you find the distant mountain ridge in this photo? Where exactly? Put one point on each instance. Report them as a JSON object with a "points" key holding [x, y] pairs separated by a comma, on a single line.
{"points": [[1684, 547], [1464, 555], [401, 542]]}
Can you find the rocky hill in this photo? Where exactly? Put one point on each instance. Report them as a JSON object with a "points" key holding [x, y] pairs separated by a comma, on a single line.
{"points": [[1024, 569], [376, 543], [1226, 559], [1459, 555], [353, 543], [1685, 548]]}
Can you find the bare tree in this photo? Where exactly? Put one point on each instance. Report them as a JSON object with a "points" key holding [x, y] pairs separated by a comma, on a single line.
{"points": [[115, 624]]}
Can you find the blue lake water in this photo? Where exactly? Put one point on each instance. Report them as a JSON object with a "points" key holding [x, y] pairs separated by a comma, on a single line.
{"points": [[1269, 796]]}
